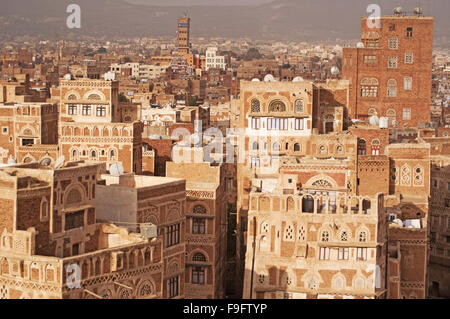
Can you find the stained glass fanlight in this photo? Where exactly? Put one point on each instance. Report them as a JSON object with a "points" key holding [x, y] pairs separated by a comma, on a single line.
{"points": [[256, 106], [277, 106]]}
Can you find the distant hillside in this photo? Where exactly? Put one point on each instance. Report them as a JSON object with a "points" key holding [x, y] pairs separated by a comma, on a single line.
{"points": [[299, 20]]}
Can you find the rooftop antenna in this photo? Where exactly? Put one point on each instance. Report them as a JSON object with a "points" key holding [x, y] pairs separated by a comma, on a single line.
{"points": [[60, 162]]}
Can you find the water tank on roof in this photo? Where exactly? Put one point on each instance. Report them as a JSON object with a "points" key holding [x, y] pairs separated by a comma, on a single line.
{"points": [[335, 70], [298, 79], [384, 122], [269, 78], [374, 120]]}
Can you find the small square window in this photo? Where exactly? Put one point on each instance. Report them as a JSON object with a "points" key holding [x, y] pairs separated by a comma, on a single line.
{"points": [[409, 58], [4, 130], [409, 32], [393, 43]]}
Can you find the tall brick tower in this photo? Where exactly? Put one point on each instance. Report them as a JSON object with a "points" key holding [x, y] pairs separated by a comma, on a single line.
{"points": [[184, 24], [390, 71]]}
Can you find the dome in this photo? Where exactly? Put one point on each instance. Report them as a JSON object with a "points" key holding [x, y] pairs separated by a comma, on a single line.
{"points": [[269, 78], [298, 79], [255, 80], [360, 45]]}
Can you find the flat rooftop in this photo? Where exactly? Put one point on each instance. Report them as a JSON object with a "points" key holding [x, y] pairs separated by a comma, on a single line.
{"points": [[139, 181]]}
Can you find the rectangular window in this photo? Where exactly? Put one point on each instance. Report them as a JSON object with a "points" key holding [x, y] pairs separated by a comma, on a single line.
{"points": [[409, 57], [255, 162], [172, 235], [392, 27], [324, 253], [299, 124], [198, 275], [198, 225], [74, 220], [72, 109], [370, 59], [448, 186], [406, 114], [407, 83], [369, 91], [86, 110], [435, 183], [101, 111], [409, 32], [173, 286], [392, 62], [343, 253], [277, 124], [256, 122], [4, 130], [393, 43], [361, 253]]}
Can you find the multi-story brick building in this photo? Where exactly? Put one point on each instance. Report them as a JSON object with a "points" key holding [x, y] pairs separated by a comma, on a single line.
{"points": [[52, 247], [206, 223], [304, 246], [90, 126], [23, 127], [134, 201], [184, 44], [390, 73]]}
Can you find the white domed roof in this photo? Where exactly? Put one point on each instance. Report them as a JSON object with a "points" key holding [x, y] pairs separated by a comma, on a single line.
{"points": [[269, 78], [298, 79], [255, 80]]}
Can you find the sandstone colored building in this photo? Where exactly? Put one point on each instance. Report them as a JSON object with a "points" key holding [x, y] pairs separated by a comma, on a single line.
{"points": [[52, 247]]}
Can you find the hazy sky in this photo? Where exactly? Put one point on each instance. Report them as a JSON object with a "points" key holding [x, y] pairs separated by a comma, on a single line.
{"points": [[199, 2]]}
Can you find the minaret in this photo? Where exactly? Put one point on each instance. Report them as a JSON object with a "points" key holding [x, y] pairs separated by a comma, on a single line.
{"points": [[183, 35]]}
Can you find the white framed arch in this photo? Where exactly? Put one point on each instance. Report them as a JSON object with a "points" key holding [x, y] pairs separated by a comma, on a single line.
{"points": [[199, 251], [74, 200], [321, 181], [28, 128], [94, 92], [338, 281], [69, 95], [360, 232]]}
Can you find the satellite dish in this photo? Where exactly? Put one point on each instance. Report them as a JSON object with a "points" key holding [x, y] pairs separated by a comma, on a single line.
{"points": [[45, 162], [255, 80], [374, 120], [335, 70], [269, 78], [398, 10], [418, 11], [360, 45], [12, 161], [60, 162], [298, 79], [205, 105], [68, 77], [116, 169]]}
